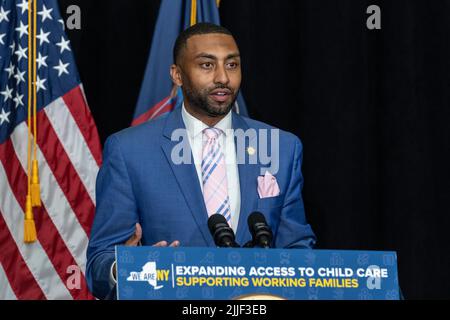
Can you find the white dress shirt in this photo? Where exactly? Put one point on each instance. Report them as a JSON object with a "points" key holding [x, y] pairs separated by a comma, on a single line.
{"points": [[194, 129]]}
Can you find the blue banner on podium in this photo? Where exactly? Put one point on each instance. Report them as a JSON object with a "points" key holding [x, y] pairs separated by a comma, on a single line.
{"points": [[242, 273]]}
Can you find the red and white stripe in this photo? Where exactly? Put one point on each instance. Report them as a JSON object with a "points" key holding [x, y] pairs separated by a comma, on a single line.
{"points": [[164, 106], [69, 157]]}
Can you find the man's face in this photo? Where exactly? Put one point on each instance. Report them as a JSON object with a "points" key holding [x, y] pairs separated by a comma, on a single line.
{"points": [[209, 71]]}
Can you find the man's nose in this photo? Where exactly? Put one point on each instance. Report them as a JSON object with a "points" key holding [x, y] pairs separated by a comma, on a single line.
{"points": [[221, 75]]}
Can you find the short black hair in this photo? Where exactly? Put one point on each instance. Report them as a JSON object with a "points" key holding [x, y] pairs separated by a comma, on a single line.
{"points": [[196, 29]]}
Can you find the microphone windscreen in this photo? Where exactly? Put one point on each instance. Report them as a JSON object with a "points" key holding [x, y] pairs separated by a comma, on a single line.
{"points": [[215, 219], [256, 217]]}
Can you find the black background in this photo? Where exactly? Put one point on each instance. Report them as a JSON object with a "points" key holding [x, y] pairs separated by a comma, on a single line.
{"points": [[370, 106]]}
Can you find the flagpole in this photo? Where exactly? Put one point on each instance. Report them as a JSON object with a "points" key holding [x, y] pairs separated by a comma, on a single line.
{"points": [[193, 12]]}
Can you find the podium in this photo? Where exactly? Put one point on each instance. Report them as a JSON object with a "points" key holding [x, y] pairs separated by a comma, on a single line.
{"points": [[184, 273]]}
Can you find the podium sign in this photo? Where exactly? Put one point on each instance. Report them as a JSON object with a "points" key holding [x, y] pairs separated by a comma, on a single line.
{"points": [[242, 273]]}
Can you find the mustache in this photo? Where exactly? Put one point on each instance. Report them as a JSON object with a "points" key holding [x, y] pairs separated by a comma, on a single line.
{"points": [[220, 86]]}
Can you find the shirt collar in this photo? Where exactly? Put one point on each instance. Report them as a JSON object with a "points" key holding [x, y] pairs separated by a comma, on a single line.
{"points": [[195, 126]]}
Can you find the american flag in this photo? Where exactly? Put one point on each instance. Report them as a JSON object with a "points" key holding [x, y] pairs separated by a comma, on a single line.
{"points": [[69, 156]]}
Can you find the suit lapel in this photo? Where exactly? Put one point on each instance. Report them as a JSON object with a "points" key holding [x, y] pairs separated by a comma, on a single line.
{"points": [[187, 178], [248, 174]]}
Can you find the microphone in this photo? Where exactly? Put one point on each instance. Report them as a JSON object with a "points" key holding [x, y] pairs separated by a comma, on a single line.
{"points": [[260, 230], [220, 230]]}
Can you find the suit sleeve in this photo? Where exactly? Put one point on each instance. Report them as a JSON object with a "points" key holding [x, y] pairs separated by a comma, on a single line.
{"points": [[115, 218], [293, 230]]}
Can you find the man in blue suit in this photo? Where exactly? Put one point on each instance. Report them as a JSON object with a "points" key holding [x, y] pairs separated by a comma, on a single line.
{"points": [[152, 190]]}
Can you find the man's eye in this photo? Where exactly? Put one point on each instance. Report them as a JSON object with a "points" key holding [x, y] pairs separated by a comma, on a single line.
{"points": [[232, 65], [207, 65]]}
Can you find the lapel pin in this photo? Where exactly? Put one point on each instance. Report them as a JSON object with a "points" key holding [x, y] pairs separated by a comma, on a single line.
{"points": [[251, 151]]}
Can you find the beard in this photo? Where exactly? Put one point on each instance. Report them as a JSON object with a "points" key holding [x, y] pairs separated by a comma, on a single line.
{"points": [[201, 99]]}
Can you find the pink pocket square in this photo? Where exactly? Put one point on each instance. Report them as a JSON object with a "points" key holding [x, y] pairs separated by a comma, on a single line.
{"points": [[268, 186]]}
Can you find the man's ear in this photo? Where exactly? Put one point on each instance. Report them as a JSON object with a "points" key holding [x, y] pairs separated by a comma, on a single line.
{"points": [[175, 74]]}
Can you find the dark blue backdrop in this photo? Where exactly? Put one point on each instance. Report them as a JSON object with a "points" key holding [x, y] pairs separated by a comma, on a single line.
{"points": [[371, 107]]}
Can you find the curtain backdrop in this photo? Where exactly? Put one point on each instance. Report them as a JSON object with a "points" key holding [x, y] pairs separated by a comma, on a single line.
{"points": [[370, 106]]}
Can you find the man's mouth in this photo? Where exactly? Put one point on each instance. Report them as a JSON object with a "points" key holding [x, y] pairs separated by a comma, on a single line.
{"points": [[220, 95]]}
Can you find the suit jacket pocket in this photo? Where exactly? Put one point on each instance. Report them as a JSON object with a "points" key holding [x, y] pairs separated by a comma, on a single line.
{"points": [[270, 202]]}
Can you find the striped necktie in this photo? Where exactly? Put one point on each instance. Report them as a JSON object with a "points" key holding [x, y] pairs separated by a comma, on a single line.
{"points": [[214, 175]]}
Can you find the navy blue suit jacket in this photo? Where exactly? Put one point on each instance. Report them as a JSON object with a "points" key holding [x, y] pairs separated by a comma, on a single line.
{"points": [[138, 182]]}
